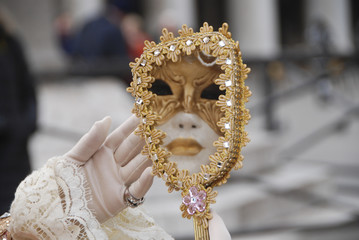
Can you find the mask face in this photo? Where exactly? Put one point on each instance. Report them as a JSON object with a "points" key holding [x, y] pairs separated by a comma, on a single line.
{"points": [[186, 101]]}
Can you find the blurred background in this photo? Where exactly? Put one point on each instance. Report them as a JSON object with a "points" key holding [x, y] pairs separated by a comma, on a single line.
{"points": [[300, 178]]}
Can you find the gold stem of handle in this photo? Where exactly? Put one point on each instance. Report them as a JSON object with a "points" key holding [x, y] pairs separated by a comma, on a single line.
{"points": [[200, 232]]}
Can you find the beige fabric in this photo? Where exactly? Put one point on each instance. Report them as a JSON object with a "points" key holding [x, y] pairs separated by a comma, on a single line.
{"points": [[133, 223]]}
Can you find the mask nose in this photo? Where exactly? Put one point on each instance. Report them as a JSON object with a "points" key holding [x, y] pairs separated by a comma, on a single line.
{"points": [[188, 98], [187, 122]]}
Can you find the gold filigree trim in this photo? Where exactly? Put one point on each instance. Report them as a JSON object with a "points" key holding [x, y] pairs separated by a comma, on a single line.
{"points": [[232, 106]]}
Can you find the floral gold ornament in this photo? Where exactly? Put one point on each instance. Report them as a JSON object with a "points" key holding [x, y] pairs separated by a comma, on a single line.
{"points": [[195, 200], [199, 77]]}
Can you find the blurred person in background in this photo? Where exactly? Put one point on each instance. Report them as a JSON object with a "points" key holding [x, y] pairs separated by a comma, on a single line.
{"points": [[99, 47], [17, 112], [135, 35], [102, 36]]}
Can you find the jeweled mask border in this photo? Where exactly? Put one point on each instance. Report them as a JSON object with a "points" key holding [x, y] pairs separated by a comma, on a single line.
{"points": [[217, 44]]}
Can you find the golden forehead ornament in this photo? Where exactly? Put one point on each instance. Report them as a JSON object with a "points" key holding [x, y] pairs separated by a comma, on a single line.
{"points": [[226, 115]]}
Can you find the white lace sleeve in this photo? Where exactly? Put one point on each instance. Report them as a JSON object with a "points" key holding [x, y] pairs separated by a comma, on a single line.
{"points": [[51, 203]]}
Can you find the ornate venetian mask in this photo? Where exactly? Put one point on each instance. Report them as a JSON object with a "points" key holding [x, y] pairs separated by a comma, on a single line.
{"points": [[190, 95]]}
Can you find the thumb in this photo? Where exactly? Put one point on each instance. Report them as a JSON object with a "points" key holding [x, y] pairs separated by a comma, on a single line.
{"points": [[91, 141]]}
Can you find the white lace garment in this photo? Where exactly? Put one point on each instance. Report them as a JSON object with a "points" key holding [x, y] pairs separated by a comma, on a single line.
{"points": [[51, 203]]}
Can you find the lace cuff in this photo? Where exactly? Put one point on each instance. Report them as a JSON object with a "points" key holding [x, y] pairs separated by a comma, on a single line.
{"points": [[51, 203]]}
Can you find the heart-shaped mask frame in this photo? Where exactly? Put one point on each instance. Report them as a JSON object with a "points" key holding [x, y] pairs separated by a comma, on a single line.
{"points": [[197, 188]]}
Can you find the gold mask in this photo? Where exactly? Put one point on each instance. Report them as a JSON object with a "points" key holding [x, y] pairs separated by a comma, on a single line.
{"points": [[192, 89], [186, 102], [198, 77]]}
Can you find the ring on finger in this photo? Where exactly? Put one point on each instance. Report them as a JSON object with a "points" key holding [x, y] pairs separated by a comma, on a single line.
{"points": [[132, 201]]}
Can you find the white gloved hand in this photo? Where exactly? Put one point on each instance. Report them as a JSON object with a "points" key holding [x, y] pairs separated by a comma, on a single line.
{"points": [[217, 228], [111, 164]]}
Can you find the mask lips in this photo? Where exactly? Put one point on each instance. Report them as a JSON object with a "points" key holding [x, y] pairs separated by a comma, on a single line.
{"points": [[184, 147]]}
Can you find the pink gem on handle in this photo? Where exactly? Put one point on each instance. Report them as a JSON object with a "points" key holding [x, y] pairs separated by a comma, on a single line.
{"points": [[195, 200]]}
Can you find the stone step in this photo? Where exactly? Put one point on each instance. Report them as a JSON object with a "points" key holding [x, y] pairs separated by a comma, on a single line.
{"points": [[296, 176], [260, 152], [347, 185], [347, 170], [348, 200], [276, 235]]}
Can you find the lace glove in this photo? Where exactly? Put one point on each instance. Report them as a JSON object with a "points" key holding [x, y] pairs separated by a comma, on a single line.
{"points": [[217, 228], [111, 164]]}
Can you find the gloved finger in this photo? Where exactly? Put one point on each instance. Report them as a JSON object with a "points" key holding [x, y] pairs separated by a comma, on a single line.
{"points": [[139, 188], [122, 132], [217, 228], [128, 149], [133, 170], [91, 141]]}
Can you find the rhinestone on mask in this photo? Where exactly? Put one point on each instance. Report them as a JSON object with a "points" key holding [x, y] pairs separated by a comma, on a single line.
{"points": [[143, 63], [228, 83], [139, 81], [206, 176], [189, 42], [227, 125], [221, 43], [229, 103], [139, 101], [172, 48], [228, 61], [226, 144], [206, 39], [165, 176], [156, 52]]}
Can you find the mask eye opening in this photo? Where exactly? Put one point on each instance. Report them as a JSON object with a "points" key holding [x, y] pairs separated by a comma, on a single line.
{"points": [[161, 88], [212, 92]]}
